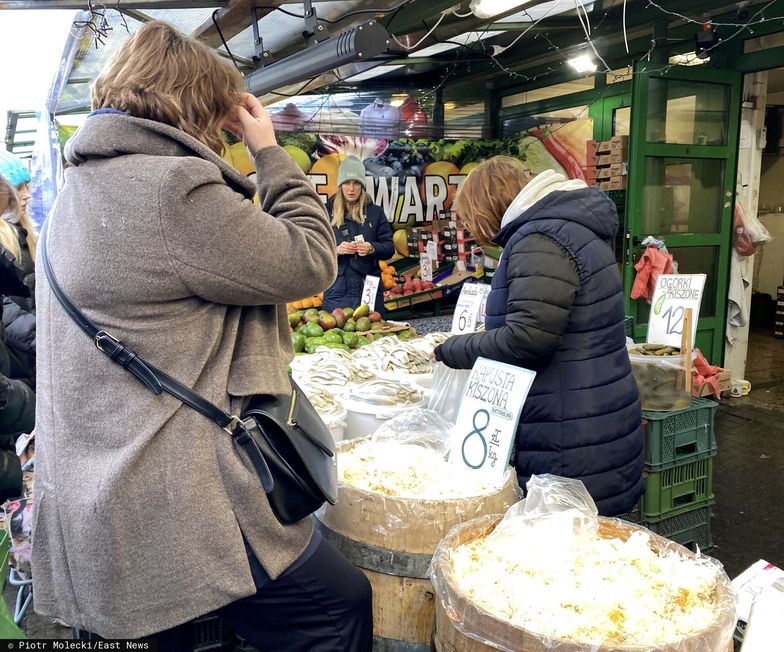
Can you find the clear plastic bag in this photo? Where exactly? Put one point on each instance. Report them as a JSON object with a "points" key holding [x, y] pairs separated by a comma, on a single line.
{"points": [[748, 232], [448, 385], [551, 574]]}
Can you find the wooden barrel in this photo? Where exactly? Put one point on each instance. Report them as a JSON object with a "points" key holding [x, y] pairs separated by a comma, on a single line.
{"points": [[461, 615], [392, 540]]}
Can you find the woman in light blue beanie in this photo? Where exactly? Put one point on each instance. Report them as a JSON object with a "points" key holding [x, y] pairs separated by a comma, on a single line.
{"points": [[16, 173], [363, 237]]}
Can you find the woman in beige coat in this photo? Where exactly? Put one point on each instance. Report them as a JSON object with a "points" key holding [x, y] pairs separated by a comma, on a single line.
{"points": [[146, 515]]}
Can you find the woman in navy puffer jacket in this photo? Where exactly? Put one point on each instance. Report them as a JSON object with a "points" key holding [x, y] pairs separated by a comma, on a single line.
{"points": [[556, 307]]}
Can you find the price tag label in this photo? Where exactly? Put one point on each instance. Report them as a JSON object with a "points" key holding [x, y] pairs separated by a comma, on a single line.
{"points": [[487, 418], [431, 249], [469, 306], [673, 295], [426, 267], [369, 290]]}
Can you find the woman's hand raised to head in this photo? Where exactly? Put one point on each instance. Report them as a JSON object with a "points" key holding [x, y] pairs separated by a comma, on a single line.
{"points": [[251, 122]]}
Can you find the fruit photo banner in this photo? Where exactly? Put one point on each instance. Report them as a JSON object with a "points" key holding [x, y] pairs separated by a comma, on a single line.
{"points": [[415, 180]]}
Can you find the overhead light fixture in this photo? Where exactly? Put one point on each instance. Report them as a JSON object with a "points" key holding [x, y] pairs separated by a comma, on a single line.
{"points": [[688, 59], [490, 8], [360, 43], [582, 63], [546, 10], [373, 72], [466, 38]]}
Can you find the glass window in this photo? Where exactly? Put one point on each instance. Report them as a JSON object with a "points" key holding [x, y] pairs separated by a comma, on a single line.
{"points": [[621, 120], [548, 92], [619, 75], [686, 112], [682, 195], [764, 42]]}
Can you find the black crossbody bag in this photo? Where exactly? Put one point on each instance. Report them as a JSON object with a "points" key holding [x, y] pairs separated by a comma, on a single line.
{"points": [[291, 449]]}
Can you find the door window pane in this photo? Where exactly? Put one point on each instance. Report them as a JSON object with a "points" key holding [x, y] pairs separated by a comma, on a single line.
{"points": [[700, 260], [621, 120], [692, 260], [686, 112], [682, 195]]}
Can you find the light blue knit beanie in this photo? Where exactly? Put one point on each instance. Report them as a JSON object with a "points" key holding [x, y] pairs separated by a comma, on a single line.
{"points": [[13, 169], [351, 169]]}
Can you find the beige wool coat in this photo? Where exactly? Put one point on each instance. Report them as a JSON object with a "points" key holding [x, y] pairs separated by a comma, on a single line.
{"points": [[140, 502]]}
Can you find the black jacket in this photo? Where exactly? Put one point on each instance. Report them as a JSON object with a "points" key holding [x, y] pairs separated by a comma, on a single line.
{"points": [[556, 307]]}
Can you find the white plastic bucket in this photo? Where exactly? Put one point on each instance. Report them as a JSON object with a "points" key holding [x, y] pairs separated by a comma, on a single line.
{"points": [[336, 425], [364, 419]]}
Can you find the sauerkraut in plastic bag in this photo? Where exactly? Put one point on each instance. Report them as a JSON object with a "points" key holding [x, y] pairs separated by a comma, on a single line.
{"points": [[552, 574], [406, 457]]}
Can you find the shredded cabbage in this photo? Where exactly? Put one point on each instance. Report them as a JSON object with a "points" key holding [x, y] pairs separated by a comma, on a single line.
{"points": [[586, 589]]}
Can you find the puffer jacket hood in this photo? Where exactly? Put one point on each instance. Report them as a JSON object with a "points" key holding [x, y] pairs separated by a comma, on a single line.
{"points": [[587, 206]]}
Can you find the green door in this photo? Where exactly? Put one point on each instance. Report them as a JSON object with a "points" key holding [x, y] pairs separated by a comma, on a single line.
{"points": [[684, 140]]}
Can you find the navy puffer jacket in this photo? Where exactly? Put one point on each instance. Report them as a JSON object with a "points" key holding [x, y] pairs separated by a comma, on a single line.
{"points": [[556, 307]]}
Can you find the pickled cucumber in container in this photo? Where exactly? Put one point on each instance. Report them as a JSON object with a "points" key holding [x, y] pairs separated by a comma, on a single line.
{"points": [[660, 372]]}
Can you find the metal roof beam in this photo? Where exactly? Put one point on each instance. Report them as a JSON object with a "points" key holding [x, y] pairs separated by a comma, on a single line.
{"points": [[233, 18], [116, 4]]}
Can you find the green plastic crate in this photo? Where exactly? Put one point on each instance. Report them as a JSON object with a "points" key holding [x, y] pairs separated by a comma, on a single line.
{"points": [[691, 529], [681, 436], [678, 489]]}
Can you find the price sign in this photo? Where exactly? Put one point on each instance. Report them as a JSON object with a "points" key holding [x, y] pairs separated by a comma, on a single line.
{"points": [[369, 290], [431, 249], [487, 418], [469, 305], [426, 267], [673, 295]]}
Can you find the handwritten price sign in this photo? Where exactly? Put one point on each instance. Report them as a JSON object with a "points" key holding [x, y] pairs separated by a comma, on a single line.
{"points": [[673, 295], [426, 267], [487, 418], [470, 304], [369, 290]]}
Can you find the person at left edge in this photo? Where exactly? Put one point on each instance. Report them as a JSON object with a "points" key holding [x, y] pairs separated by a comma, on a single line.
{"points": [[353, 214]]}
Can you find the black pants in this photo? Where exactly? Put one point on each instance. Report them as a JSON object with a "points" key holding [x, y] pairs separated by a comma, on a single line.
{"points": [[323, 605]]}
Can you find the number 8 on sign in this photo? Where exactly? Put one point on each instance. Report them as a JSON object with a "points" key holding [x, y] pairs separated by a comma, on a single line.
{"points": [[471, 452]]}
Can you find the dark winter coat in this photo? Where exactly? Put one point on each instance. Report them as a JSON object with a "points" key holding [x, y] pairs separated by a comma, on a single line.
{"points": [[556, 307], [346, 291], [27, 266]]}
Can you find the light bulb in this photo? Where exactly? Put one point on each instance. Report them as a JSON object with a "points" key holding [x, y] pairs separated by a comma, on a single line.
{"points": [[582, 63]]}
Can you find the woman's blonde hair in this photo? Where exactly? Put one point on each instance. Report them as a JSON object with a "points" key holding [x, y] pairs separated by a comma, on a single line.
{"points": [[9, 203], [487, 192], [162, 74], [354, 210]]}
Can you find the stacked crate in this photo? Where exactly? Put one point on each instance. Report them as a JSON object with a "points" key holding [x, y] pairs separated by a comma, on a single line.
{"points": [[778, 327], [679, 449], [607, 163]]}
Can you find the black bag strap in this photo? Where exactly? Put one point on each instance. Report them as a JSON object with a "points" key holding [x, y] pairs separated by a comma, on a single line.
{"points": [[153, 378]]}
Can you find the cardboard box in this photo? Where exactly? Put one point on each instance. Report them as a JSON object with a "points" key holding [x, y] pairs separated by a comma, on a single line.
{"points": [[609, 159], [616, 144], [617, 183], [724, 383]]}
